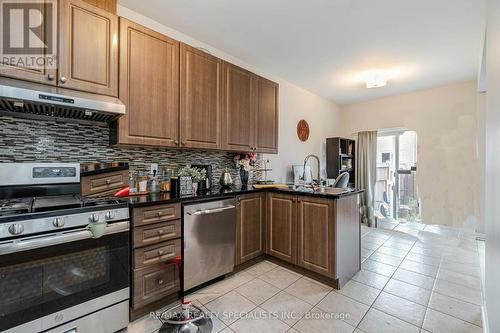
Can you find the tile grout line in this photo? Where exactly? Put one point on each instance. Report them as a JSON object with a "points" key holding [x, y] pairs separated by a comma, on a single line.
{"points": [[371, 306]]}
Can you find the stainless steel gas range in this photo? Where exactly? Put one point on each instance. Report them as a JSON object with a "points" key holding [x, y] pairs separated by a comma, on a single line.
{"points": [[64, 260]]}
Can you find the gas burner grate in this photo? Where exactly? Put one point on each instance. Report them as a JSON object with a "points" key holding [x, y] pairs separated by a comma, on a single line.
{"points": [[96, 202]]}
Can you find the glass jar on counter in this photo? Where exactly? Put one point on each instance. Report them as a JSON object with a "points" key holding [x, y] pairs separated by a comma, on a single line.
{"points": [[166, 185]]}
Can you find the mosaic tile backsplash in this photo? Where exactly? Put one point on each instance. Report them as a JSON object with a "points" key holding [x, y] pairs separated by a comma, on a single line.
{"points": [[25, 140]]}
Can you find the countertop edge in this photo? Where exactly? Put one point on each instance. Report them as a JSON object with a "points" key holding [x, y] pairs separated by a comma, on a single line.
{"points": [[152, 201]]}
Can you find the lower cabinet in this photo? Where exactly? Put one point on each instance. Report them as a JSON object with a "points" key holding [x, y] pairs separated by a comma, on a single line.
{"points": [[300, 230], [281, 227], [153, 283], [315, 234], [250, 226], [156, 238]]}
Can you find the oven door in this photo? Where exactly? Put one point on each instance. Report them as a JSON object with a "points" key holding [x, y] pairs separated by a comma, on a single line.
{"points": [[41, 278]]}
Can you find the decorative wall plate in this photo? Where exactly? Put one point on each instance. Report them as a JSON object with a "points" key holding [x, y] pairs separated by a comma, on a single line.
{"points": [[303, 130]]}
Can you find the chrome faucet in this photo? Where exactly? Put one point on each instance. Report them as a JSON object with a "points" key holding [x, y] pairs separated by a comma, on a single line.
{"points": [[320, 185]]}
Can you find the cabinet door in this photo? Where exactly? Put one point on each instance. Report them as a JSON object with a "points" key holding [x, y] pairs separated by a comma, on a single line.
{"points": [[201, 94], [88, 48], [315, 224], [13, 66], [149, 87], [250, 227], [238, 120], [266, 122], [281, 227]]}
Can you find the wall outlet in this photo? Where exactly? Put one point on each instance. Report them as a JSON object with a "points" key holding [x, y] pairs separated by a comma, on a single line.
{"points": [[154, 168]]}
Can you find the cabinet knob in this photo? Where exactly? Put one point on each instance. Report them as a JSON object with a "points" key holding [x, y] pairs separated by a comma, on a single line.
{"points": [[160, 252], [160, 281], [159, 213], [108, 181], [50, 77], [160, 232], [176, 142], [63, 79]]}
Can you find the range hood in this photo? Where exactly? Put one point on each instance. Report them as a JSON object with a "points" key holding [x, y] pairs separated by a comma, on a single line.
{"points": [[34, 100]]}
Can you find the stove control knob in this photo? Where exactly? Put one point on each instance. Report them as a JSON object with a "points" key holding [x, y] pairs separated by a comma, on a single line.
{"points": [[16, 229], [94, 218], [110, 215], [58, 222]]}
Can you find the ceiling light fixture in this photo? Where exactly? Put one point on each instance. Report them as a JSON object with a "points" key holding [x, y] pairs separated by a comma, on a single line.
{"points": [[375, 80]]}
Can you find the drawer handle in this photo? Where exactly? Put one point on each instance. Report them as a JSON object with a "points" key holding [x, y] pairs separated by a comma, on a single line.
{"points": [[160, 213], [160, 282], [108, 181], [160, 232], [160, 252]]}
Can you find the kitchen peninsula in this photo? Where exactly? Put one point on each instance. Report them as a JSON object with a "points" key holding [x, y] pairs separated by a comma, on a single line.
{"points": [[314, 233]]}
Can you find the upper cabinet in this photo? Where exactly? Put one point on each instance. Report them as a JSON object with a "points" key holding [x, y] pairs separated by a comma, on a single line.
{"points": [[238, 120], [149, 87], [175, 95], [201, 99], [266, 123], [88, 48], [46, 73], [250, 112]]}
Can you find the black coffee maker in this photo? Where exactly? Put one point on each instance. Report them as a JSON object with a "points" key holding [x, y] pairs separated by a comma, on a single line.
{"points": [[207, 184]]}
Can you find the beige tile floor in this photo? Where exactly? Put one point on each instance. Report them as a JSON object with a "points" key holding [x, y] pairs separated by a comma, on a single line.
{"points": [[414, 278]]}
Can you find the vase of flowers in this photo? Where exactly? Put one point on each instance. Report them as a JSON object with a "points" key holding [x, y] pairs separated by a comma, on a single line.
{"points": [[197, 175], [245, 163]]}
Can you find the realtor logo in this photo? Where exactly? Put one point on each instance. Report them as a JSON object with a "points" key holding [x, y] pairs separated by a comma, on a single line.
{"points": [[28, 33]]}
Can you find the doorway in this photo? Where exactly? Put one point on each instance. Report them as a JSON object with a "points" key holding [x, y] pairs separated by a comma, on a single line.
{"points": [[396, 193]]}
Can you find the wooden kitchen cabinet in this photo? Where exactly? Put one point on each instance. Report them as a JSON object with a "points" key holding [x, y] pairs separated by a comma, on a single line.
{"points": [[238, 121], [250, 226], [105, 184], [46, 73], [109, 5], [88, 48], [250, 112], [281, 227], [315, 234], [266, 122], [200, 98], [153, 283], [149, 87], [156, 238]]}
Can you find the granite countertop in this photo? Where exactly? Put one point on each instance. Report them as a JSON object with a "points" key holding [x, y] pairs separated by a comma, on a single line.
{"points": [[217, 193]]}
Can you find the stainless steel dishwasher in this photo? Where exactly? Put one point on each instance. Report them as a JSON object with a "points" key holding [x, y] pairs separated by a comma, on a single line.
{"points": [[209, 241]]}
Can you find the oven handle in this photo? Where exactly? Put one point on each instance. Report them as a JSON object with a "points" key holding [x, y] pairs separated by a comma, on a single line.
{"points": [[31, 243]]}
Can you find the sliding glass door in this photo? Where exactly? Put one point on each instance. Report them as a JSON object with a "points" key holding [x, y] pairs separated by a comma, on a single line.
{"points": [[396, 193]]}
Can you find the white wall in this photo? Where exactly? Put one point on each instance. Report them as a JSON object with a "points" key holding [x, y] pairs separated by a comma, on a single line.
{"points": [[445, 119], [492, 211], [295, 103]]}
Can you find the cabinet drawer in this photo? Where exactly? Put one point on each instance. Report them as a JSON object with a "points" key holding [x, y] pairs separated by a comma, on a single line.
{"points": [[157, 253], [104, 183], [154, 282], [156, 233], [155, 214]]}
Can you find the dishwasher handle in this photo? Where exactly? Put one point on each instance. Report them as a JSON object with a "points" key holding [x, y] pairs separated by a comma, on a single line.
{"points": [[211, 211]]}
